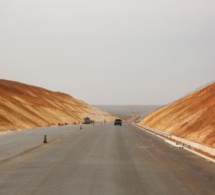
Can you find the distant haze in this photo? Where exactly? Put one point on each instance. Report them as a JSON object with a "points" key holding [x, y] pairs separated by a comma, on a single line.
{"points": [[109, 52], [129, 111]]}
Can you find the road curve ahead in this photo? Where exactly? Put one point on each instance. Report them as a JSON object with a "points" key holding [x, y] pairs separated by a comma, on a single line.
{"points": [[104, 160]]}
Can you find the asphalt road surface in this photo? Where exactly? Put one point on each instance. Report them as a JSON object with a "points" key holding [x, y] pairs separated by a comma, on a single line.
{"points": [[99, 160]]}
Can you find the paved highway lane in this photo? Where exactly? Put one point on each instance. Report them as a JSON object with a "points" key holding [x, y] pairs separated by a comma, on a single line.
{"points": [[15, 142], [101, 160]]}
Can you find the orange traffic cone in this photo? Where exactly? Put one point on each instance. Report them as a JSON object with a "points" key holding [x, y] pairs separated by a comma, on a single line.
{"points": [[45, 139]]}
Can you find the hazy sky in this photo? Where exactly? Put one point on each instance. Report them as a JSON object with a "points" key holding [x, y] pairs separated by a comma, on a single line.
{"points": [[109, 51]]}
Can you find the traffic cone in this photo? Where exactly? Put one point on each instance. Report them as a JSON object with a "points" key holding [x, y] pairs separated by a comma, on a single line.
{"points": [[45, 139]]}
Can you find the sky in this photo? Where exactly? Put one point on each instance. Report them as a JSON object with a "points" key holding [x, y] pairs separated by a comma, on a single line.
{"points": [[110, 52]]}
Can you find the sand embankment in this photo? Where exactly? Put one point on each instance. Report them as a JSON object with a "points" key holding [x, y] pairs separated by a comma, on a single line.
{"points": [[191, 117], [24, 106]]}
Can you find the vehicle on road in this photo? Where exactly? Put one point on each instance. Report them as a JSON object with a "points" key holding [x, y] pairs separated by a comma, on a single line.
{"points": [[118, 122], [86, 120]]}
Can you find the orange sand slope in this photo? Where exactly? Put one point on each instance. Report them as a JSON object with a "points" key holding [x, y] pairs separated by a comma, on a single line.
{"points": [[192, 117], [24, 107]]}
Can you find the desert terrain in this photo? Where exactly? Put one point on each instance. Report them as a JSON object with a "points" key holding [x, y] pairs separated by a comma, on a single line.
{"points": [[130, 113], [24, 106], [191, 117]]}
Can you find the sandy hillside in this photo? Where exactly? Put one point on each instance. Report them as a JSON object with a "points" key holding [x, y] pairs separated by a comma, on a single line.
{"points": [[24, 107], [192, 117]]}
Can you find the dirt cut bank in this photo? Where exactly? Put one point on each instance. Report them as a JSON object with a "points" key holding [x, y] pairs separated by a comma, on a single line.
{"points": [[192, 117], [24, 106]]}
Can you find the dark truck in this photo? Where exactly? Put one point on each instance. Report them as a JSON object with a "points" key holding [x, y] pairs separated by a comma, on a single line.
{"points": [[86, 120], [118, 122]]}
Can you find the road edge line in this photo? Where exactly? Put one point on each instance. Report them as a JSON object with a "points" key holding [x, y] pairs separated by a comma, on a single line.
{"points": [[167, 138]]}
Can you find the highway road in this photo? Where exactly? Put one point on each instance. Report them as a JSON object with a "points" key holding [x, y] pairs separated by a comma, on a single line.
{"points": [[99, 160]]}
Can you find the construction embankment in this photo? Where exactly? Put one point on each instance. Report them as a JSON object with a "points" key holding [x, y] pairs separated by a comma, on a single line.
{"points": [[189, 120], [25, 106]]}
